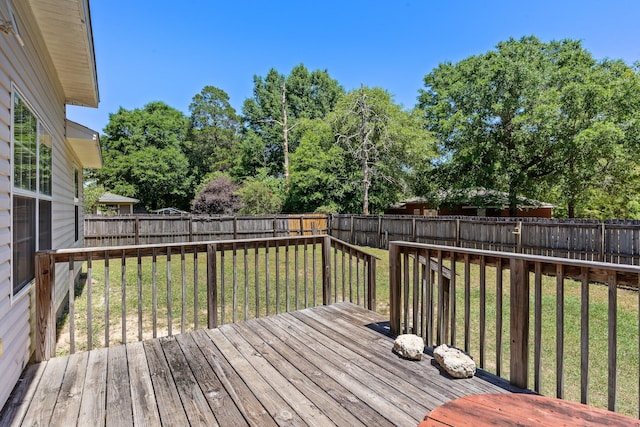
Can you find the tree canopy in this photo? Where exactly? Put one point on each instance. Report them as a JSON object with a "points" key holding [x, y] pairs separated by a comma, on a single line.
{"points": [[530, 118], [543, 120]]}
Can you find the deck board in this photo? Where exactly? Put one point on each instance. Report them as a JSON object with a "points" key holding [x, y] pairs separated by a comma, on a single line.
{"points": [[321, 366]]}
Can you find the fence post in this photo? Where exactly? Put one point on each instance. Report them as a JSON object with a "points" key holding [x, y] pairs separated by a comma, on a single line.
{"points": [[413, 229], [137, 226], [190, 228], [351, 231], [235, 228], [326, 270], [45, 329], [603, 234], [302, 225], [458, 232], [212, 286], [394, 288], [380, 232], [519, 326], [275, 226], [518, 233]]}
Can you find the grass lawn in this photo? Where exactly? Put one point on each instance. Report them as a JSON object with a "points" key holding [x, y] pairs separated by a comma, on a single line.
{"points": [[298, 285]]}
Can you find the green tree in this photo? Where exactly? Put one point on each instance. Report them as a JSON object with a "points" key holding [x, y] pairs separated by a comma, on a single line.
{"points": [[382, 143], [532, 118], [91, 193], [144, 158], [213, 132], [218, 197], [261, 194], [493, 114], [279, 101]]}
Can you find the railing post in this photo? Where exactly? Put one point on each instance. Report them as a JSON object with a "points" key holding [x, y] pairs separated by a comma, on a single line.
{"points": [[371, 282], [326, 270], [45, 311], [212, 286], [394, 288], [519, 323]]}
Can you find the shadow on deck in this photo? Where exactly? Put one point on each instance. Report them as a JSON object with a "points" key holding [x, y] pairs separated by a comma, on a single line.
{"points": [[319, 366]]}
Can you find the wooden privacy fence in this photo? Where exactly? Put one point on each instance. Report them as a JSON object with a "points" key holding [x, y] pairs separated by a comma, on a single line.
{"points": [[118, 230], [609, 241], [133, 293], [496, 305]]}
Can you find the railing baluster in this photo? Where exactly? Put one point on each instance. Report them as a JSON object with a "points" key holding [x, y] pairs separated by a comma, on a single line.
{"points": [[429, 298], [584, 338], [267, 301], [483, 309], [154, 290], [139, 296], [89, 302], [212, 285], [537, 334], [277, 278], [452, 304], [467, 303], [169, 295], [358, 279], [313, 274], [306, 273], [196, 305], [72, 304], [245, 258], [350, 276], [123, 294], [183, 272], [257, 282], [106, 299], [344, 296], [335, 274], [223, 295], [559, 332], [297, 284], [416, 292], [405, 291], [286, 278], [235, 284], [499, 310], [613, 340]]}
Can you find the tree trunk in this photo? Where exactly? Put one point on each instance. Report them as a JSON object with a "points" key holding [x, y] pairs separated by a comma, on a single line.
{"points": [[513, 202], [571, 208], [285, 136], [365, 160]]}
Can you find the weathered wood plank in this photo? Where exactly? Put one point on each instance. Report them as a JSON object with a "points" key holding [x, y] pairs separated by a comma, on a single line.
{"points": [[292, 373], [144, 406], [166, 393], [305, 409], [118, 389], [193, 401], [92, 408], [44, 399], [277, 407], [68, 403], [244, 399], [214, 391], [16, 407]]}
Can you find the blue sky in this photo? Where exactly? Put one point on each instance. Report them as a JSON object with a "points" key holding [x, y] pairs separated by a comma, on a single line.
{"points": [[162, 50]]}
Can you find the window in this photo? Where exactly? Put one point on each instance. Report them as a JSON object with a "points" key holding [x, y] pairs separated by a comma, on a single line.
{"points": [[32, 152]]}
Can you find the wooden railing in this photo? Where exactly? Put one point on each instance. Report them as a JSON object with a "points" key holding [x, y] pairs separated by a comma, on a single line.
{"points": [[573, 321], [132, 293]]}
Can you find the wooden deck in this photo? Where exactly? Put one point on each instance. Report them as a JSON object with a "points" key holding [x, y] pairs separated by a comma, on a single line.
{"points": [[321, 366]]}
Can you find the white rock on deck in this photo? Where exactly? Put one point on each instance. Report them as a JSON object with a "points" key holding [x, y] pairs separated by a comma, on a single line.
{"points": [[455, 362], [409, 346]]}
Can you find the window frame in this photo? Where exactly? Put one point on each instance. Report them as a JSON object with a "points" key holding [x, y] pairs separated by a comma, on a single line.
{"points": [[38, 194]]}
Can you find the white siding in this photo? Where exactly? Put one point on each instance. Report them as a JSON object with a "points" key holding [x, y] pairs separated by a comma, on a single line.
{"points": [[36, 79]]}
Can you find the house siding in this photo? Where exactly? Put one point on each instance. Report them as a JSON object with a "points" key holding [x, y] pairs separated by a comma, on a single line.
{"points": [[34, 76]]}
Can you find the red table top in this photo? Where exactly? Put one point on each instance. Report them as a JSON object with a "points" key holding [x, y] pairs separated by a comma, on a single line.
{"points": [[506, 409]]}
